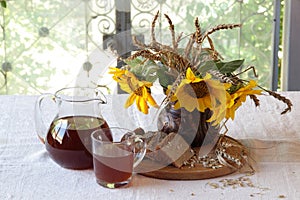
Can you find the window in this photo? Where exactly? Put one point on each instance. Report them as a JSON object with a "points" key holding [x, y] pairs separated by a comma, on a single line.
{"points": [[49, 44], [291, 46]]}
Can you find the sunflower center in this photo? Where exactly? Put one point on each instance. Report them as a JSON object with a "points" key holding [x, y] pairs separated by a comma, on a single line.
{"points": [[197, 90], [139, 91]]}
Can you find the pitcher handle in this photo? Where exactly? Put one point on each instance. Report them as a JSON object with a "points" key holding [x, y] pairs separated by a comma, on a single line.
{"points": [[140, 150], [100, 94], [40, 124]]}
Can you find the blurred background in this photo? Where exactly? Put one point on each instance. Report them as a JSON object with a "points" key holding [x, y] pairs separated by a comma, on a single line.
{"points": [[49, 44]]}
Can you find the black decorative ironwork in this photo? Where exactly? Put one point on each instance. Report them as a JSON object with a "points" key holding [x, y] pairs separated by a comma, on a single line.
{"points": [[101, 20], [142, 22], [101, 12], [145, 5], [6, 67], [87, 66], [3, 82], [44, 32], [106, 25]]}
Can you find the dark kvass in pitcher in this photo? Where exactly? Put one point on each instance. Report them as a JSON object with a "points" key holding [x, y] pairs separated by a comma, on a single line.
{"points": [[68, 140]]}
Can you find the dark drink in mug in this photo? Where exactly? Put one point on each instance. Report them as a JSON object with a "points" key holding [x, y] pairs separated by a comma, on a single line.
{"points": [[115, 160], [113, 169]]}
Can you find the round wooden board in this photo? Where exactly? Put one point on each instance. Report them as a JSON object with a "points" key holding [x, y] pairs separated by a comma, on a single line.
{"points": [[188, 173], [197, 172]]}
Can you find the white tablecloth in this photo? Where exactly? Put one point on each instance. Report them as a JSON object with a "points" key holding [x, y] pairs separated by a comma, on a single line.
{"points": [[27, 172]]}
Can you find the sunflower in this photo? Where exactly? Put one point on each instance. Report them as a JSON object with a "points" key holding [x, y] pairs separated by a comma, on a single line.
{"points": [[233, 102], [238, 97], [199, 93], [139, 90], [117, 73]]}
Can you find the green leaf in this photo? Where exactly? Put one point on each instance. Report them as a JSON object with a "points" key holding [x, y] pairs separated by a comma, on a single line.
{"points": [[208, 65], [134, 62], [229, 67], [163, 78], [223, 67], [136, 66], [143, 70], [149, 71]]}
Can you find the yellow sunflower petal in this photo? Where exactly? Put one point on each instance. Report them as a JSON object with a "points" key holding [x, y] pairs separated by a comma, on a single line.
{"points": [[152, 101], [230, 113], [189, 74], [114, 70], [200, 105], [130, 100], [208, 102], [217, 116], [177, 105], [137, 102], [125, 87], [142, 104], [207, 76]]}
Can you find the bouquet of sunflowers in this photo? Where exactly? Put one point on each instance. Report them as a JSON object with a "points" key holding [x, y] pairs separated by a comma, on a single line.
{"points": [[195, 77], [195, 80]]}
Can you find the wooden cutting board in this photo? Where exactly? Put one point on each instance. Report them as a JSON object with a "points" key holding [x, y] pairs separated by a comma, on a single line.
{"points": [[170, 172], [187, 173]]}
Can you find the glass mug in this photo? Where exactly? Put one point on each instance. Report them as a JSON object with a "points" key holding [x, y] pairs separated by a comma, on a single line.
{"points": [[67, 137], [116, 156]]}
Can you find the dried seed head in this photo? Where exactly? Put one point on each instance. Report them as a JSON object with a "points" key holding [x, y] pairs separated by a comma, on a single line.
{"points": [[283, 99], [198, 31]]}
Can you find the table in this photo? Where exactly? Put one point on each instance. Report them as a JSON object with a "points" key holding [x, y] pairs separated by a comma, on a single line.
{"points": [[27, 172]]}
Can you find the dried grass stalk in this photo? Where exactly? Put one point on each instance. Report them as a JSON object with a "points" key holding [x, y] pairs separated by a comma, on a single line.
{"points": [[138, 43], [174, 87], [146, 54], [283, 99], [198, 34], [153, 28], [221, 77], [214, 53], [219, 27], [255, 100], [171, 27], [178, 40], [189, 46]]}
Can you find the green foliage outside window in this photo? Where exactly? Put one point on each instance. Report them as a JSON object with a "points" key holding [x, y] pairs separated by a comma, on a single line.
{"points": [[3, 3], [34, 34]]}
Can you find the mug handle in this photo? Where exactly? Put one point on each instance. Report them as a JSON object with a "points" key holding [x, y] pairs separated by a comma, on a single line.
{"points": [[40, 125]]}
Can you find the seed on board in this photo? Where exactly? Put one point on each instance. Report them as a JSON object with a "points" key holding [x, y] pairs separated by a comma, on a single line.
{"points": [[281, 196], [214, 185], [250, 184]]}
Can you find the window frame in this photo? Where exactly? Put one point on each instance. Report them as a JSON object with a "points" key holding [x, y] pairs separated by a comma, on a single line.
{"points": [[291, 46]]}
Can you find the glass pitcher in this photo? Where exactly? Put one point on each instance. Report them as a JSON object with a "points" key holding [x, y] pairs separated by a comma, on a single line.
{"points": [[77, 115]]}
